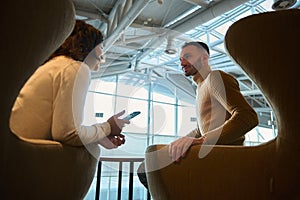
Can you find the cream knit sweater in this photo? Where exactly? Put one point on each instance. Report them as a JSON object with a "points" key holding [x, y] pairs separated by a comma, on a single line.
{"points": [[51, 103]]}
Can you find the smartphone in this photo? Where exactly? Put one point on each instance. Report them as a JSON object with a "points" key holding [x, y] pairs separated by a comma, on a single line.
{"points": [[132, 115]]}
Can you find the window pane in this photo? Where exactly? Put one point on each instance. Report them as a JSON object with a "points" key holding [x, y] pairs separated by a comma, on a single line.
{"points": [[133, 86], [131, 91], [163, 91], [163, 119], [97, 103], [104, 85], [187, 119]]}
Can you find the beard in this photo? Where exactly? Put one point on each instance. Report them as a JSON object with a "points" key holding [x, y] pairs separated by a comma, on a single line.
{"points": [[189, 70]]}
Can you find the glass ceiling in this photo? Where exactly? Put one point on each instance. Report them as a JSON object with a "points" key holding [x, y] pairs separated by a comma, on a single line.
{"points": [[212, 33]]}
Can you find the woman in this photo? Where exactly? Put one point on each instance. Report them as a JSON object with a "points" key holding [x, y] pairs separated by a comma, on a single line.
{"points": [[50, 105]]}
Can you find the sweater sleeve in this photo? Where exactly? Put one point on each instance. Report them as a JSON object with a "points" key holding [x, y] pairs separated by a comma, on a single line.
{"points": [[242, 116], [68, 107], [195, 133]]}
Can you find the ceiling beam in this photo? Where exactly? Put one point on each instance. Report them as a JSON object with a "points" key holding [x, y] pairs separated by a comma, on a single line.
{"points": [[193, 20], [131, 15]]}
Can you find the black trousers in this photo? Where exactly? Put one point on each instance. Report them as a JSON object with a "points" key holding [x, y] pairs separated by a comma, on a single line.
{"points": [[142, 175]]}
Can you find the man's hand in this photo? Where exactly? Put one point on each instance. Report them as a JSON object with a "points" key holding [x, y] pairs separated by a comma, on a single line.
{"points": [[116, 124], [111, 142], [179, 147]]}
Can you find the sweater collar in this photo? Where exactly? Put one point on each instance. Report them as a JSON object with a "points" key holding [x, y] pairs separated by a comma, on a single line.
{"points": [[197, 78], [200, 77]]}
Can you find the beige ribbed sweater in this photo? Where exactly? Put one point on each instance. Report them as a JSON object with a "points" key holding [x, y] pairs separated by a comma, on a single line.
{"points": [[224, 115]]}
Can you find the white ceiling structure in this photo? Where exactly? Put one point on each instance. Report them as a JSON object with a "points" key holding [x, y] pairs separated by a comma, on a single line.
{"points": [[138, 34]]}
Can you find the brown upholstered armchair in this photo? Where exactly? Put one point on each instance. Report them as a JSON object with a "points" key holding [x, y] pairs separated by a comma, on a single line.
{"points": [[266, 46], [38, 169]]}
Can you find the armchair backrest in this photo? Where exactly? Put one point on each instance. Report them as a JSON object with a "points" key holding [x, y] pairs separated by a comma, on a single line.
{"points": [[30, 31], [266, 46]]}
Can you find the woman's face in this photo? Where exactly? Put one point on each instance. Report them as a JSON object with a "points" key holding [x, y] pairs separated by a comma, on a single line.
{"points": [[94, 58]]}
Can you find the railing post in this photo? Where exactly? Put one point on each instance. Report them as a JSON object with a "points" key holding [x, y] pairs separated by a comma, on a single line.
{"points": [[120, 180], [97, 196], [130, 193], [131, 172]]}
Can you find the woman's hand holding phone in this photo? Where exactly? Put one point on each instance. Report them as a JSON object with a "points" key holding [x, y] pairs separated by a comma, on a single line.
{"points": [[115, 138], [117, 124]]}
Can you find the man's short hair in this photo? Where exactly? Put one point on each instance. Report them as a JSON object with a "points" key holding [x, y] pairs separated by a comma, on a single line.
{"points": [[197, 44]]}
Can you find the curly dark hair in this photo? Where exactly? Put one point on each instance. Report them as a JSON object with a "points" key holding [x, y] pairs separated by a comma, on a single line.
{"points": [[83, 39]]}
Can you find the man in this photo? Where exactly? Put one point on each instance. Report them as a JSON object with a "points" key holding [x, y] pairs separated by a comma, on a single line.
{"points": [[224, 115]]}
